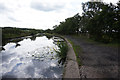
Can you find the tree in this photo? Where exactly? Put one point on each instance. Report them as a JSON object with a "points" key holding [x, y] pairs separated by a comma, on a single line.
{"points": [[99, 20], [69, 26]]}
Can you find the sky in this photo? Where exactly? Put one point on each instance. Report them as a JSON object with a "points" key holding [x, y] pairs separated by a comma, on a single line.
{"points": [[39, 14]]}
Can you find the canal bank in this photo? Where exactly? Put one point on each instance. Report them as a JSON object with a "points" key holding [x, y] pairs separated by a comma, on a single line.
{"points": [[71, 69], [35, 58]]}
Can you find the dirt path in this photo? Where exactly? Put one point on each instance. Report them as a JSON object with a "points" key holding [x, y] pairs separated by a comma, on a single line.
{"points": [[97, 61]]}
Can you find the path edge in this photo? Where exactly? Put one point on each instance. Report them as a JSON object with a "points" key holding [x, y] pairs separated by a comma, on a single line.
{"points": [[71, 68]]}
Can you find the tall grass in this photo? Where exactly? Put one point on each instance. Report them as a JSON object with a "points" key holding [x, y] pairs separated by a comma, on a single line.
{"points": [[62, 52]]}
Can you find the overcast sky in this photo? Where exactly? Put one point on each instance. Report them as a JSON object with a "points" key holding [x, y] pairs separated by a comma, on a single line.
{"points": [[39, 14]]}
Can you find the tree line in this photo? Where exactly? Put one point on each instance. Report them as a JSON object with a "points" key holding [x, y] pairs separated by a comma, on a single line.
{"points": [[99, 20]]}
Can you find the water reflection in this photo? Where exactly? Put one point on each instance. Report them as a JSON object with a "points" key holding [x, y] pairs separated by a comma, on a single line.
{"points": [[17, 45], [33, 38], [49, 36], [3, 48], [31, 57]]}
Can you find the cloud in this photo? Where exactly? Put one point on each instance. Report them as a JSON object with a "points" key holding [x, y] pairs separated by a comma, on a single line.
{"points": [[46, 6], [39, 14], [13, 19], [2, 7]]}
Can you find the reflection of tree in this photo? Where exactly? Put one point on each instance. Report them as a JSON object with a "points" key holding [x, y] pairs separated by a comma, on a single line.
{"points": [[4, 42], [16, 40], [33, 38], [9, 76], [17, 45], [49, 36], [2, 48], [55, 43]]}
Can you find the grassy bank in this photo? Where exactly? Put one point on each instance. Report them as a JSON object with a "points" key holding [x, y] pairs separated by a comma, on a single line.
{"points": [[12, 32], [77, 50]]}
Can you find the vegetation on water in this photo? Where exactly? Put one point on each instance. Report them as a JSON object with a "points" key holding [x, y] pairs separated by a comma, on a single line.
{"points": [[77, 50], [99, 21], [62, 51]]}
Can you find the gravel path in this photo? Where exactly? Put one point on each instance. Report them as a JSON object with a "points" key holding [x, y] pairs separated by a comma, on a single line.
{"points": [[97, 61]]}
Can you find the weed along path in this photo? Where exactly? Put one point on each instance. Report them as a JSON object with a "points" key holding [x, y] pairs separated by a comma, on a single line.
{"points": [[71, 68], [97, 61]]}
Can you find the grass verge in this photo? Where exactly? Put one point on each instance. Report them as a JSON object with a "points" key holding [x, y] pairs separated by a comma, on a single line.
{"points": [[98, 43], [77, 49]]}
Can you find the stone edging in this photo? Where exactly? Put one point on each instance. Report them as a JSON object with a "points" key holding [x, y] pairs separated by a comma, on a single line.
{"points": [[71, 69]]}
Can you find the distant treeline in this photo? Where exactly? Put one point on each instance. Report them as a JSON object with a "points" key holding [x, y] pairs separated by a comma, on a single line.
{"points": [[99, 20], [12, 32]]}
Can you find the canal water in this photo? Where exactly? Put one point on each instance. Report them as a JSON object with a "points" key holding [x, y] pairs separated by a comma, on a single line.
{"points": [[31, 57]]}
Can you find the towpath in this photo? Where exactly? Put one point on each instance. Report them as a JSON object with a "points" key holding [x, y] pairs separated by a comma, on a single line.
{"points": [[98, 61]]}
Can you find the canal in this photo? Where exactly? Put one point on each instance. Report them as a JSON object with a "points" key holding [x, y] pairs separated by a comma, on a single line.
{"points": [[31, 57]]}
